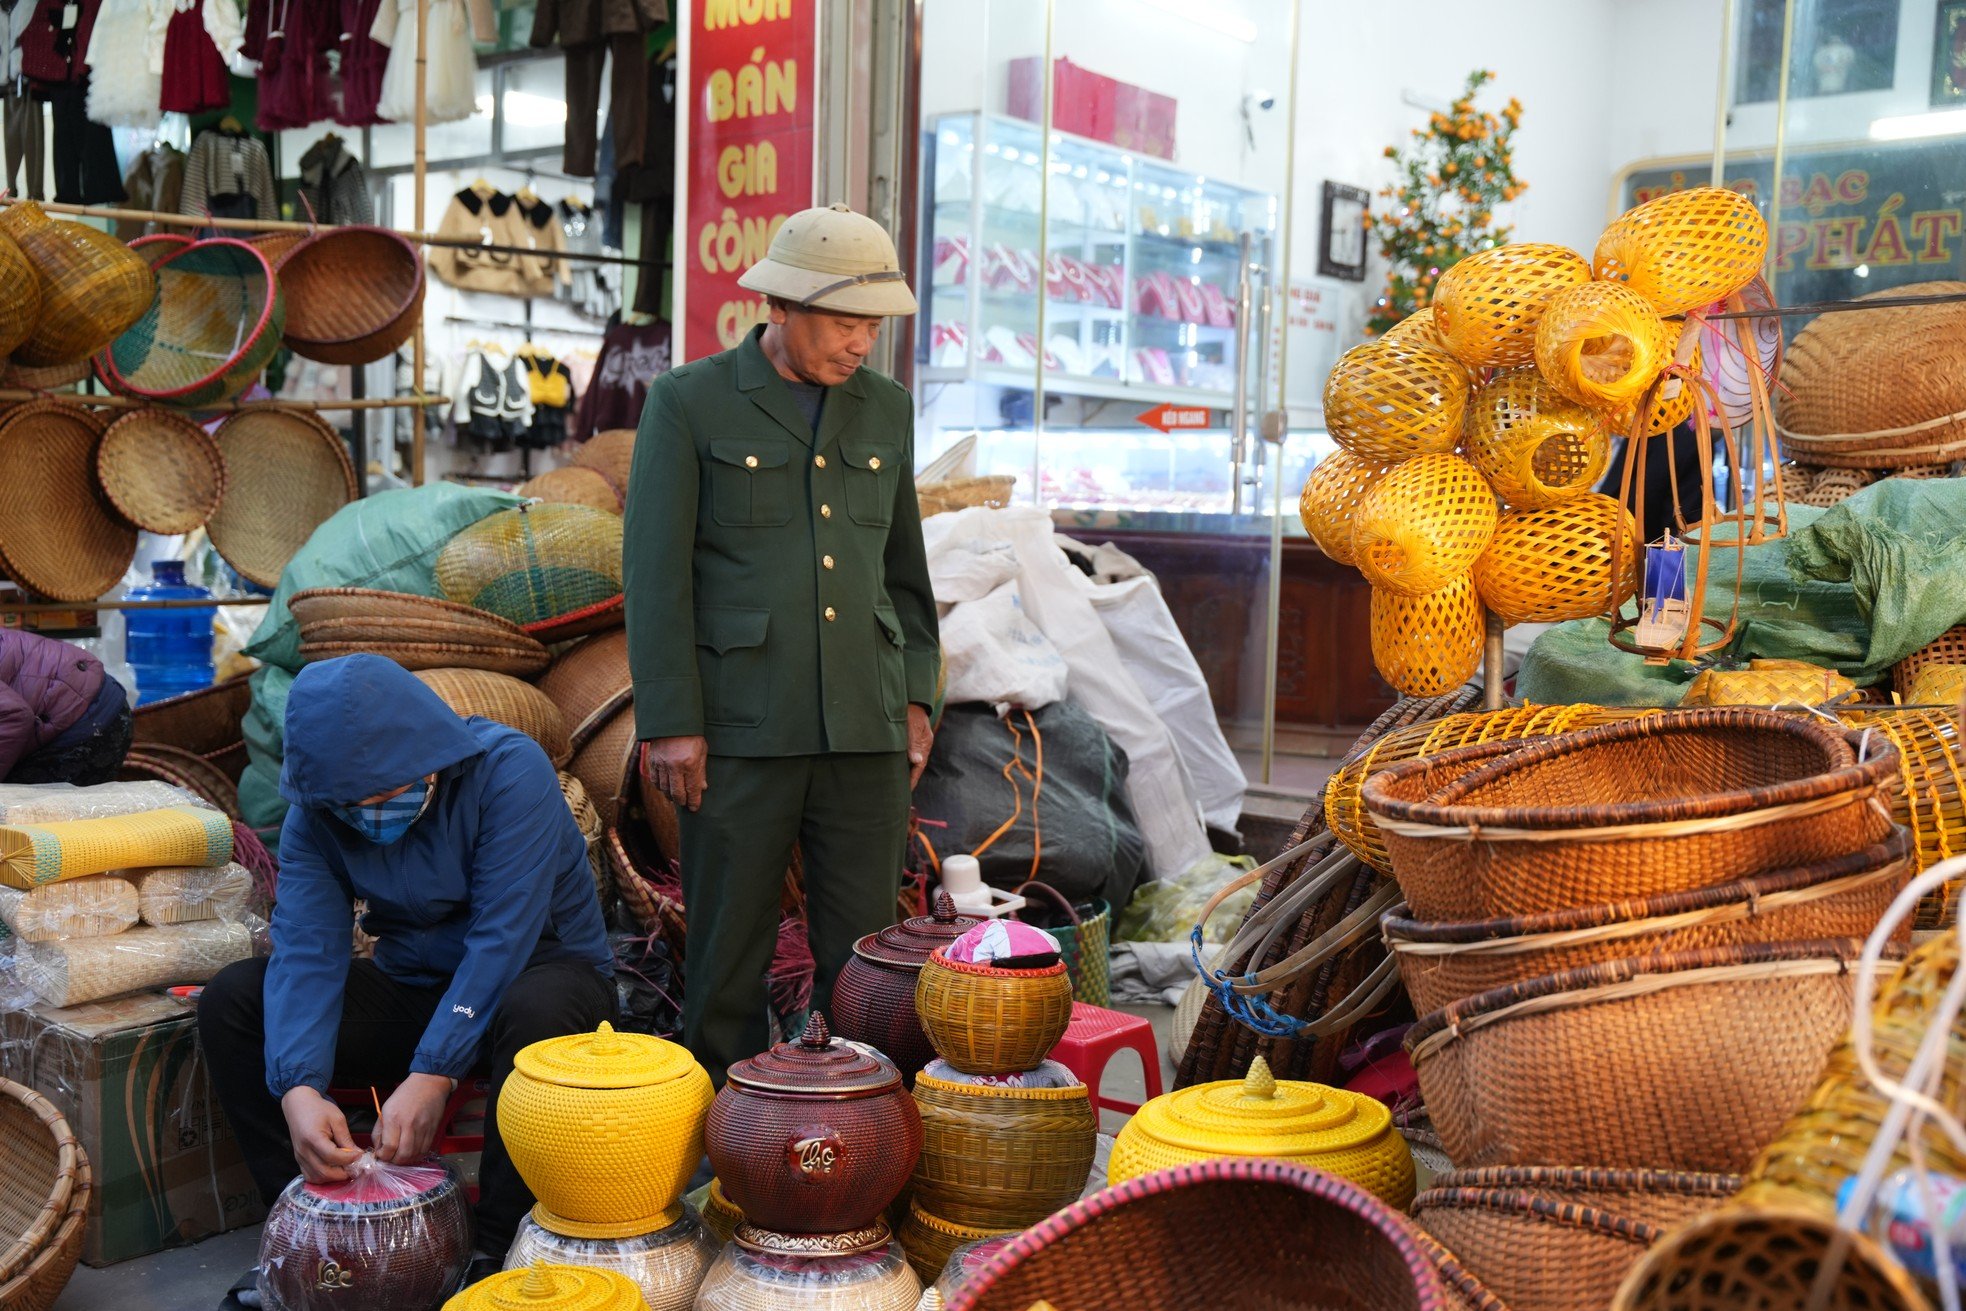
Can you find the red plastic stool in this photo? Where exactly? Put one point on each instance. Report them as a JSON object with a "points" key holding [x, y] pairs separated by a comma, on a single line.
{"points": [[448, 1142], [1094, 1037]]}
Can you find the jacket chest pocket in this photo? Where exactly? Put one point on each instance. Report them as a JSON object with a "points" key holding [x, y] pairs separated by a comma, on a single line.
{"points": [[870, 476], [750, 485], [732, 664]]}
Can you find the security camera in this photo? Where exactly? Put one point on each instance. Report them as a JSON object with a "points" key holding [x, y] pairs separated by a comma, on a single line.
{"points": [[1259, 100]]}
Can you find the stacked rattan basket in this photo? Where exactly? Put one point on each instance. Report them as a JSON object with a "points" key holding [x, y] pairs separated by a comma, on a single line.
{"points": [[1629, 947], [1471, 436]]}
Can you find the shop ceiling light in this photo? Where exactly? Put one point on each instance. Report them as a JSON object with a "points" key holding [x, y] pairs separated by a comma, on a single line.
{"points": [[1208, 16], [1907, 127]]}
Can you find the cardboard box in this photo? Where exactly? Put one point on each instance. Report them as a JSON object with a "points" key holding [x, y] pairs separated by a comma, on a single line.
{"points": [[128, 1076]]}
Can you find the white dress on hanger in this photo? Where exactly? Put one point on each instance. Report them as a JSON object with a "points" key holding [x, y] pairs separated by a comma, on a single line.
{"points": [[451, 75], [126, 92]]}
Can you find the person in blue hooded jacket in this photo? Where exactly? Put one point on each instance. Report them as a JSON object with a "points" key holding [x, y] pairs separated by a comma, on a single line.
{"points": [[488, 935]]}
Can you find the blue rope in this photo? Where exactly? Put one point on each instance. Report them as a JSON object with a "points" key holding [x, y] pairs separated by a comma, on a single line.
{"points": [[1248, 1010]]}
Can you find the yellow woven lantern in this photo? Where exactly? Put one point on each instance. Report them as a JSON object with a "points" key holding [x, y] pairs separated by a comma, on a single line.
{"points": [[1331, 497], [1546, 566], [1668, 412], [1601, 344], [1423, 524], [1416, 329], [1427, 645], [1393, 400], [1534, 446], [1685, 249], [1488, 305], [1342, 1133]]}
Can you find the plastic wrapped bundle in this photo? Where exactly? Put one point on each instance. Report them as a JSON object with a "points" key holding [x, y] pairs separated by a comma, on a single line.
{"points": [[966, 1260], [80, 908], [33, 854], [48, 803], [667, 1266], [391, 1237], [191, 894], [744, 1280], [75, 970]]}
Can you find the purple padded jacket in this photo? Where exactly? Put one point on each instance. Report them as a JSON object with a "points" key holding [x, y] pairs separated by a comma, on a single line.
{"points": [[45, 687]]}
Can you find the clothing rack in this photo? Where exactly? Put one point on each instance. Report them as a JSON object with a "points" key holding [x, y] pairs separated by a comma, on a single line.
{"points": [[528, 327]]}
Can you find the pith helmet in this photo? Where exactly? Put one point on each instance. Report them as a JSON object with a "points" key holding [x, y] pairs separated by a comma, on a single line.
{"points": [[831, 258]]}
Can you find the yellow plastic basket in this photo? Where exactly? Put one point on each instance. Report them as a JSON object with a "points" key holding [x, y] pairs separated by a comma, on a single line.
{"points": [[1685, 249], [1393, 401], [1330, 499], [1488, 305], [1602, 344], [1564, 562], [1427, 645], [1535, 446], [1423, 524], [33, 854]]}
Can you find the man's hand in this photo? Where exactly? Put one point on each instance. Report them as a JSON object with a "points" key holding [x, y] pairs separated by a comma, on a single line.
{"points": [[410, 1118], [921, 739], [679, 768], [320, 1134]]}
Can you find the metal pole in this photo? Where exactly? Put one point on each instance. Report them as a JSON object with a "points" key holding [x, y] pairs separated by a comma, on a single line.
{"points": [[1239, 417], [1781, 147], [183, 603], [1491, 663], [1720, 92], [420, 174]]}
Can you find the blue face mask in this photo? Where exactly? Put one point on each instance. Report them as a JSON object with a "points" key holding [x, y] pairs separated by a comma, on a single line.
{"points": [[384, 822]]}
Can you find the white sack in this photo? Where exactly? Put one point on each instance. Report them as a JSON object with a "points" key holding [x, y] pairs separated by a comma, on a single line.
{"points": [[997, 655]]}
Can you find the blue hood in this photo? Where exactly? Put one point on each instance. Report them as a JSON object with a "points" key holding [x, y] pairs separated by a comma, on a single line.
{"points": [[363, 724]]}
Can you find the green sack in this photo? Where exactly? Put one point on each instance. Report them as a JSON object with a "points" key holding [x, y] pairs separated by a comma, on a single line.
{"points": [[1084, 932]]}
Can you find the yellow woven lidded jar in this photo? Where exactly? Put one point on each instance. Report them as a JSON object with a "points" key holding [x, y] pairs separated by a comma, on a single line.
{"points": [[543, 1287], [1308, 1124], [605, 1128]]}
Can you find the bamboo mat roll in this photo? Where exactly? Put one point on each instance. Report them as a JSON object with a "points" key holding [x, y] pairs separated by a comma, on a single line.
{"points": [[89, 969], [79, 908], [191, 894], [33, 854]]}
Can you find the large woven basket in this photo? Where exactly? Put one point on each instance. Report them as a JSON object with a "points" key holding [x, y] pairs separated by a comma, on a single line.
{"points": [[285, 474], [985, 1020], [376, 620], [1534, 446], [997, 1157], [1255, 1233], [92, 286], [184, 769], [209, 722], [353, 294], [534, 564], [1844, 898], [44, 1203], [1879, 388], [208, 334], [1487, 306], [22, 306], [591, 685], [504, 699], [59, 537], [161, 471], [1555, 1239], [1392, 400], [1655, 805], [1686, 248], [1686, 1061], [650, 889], [319, 643]]}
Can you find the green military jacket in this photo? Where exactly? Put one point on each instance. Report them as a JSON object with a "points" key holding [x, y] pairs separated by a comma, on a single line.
{"points": [[778, 600]]}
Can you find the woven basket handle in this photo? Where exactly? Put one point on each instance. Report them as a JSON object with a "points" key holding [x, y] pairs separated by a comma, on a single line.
{"points": [[1064, 902]]}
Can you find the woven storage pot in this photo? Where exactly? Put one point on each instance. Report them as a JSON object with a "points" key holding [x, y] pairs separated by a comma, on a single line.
{"points": [[59, 537], [22, 305], [285, 474], [1534, 446], [1427, 645], [984, 1020], [573, 485], [1423, 524], [1661, 804], [1002, 1158], [1330, 499], [720, 1213], [873, 1280], [874, 996], [534, 564], [1487, 306], [512, 703], [1443, 962], [609, 453], [929, 1240], [162, 472], [1766, 683], [591, 685], [1938, 685], [94, 907], [1555, 1239], [353, 294], [1601, 345], [44, 1203], [1570, 561], [399, 1238], [1690, 1060], [92, 286], [1881, 388], [1685, 249], [88, 969], [208, 335], [1416, 329], [1392, 401], [1246, 1233], [1949, 648]]}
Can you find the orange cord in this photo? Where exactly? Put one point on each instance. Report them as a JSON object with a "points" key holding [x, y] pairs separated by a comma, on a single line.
{"points": [[1016, 793]]}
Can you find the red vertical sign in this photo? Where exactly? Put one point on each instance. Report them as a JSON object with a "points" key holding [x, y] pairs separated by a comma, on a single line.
{"points": [[751, 123]]}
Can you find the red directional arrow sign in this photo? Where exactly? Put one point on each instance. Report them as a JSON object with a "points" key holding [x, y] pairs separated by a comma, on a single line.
{"points": [[1169, 417]]}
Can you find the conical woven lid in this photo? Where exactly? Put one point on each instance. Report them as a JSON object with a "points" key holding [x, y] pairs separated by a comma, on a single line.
{"points": [[908, 943], [545, 1287], [817, 1063], [604, 1059], [1259, 1115]]}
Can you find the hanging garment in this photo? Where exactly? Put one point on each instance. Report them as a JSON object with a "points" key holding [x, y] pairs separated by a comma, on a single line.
{"points": [[155, 182], [450, 73], [631, 355], [592, 32], [86, 171], [54, 46], [333, 187], [551, 385], [363, 61], [25, 160], [539, 229], [590, 288], [494, 400], [121, 43], [198, 37], [490, 218], [290, 41], [228, 175]]}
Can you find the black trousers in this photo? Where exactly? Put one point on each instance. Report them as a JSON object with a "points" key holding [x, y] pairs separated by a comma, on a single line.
{"points": [[381, 1023]]}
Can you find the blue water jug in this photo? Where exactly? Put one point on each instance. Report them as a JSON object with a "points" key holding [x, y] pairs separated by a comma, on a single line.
{"points": [[170, 650]]}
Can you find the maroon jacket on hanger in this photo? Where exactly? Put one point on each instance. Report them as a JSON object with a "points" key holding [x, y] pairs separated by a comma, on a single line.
{"points": [[52, 56]]}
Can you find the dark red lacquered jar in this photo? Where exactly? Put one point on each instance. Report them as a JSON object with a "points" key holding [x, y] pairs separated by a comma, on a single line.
{"points": [[394, 1236], [815, 1136], [874, 1000]]}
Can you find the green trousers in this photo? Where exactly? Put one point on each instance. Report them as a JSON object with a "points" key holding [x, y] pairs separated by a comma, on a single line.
{"points": [[849, 816]]}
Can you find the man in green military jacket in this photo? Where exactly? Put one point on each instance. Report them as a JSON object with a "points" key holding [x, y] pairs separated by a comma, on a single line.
{"points": [[781, 629]]}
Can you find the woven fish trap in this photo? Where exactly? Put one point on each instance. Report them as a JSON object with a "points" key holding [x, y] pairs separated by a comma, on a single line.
{"points": [[1685, 249], [1690, 1060], [209, 333], [1442, 962], [1570, 561], [286, 473], [1330, 499], [1535, 446], [1667, 412], [1392, 401], [1002, 1158], [1880, 388], [1423, 524], [504, 699], [1938, 685], [59, 537], [1487, 306], [1769, 1244], [45, 1205], [1428, 645], [92, 286], [353, 294], [1601, 345], [1660, 804], [1416, 329], [573, 485], [161, 471], [610, 453], [1930, 799], [22, 306], [1948, 648], [1766, 683], [536, 563]]}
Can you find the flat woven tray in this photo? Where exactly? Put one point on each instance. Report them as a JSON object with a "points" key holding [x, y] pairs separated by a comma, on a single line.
{"points": [[161, 471], [285, 474], [58, 536]]}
